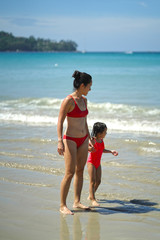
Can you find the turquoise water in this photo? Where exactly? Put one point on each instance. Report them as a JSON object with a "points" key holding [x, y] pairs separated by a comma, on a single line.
{"points": [[117, 77], [125, 87], [125, 95]]}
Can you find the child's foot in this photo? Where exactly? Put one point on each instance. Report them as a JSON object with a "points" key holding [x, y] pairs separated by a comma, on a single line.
{"points": [[81, 206], [95, 203], [65, 210]]}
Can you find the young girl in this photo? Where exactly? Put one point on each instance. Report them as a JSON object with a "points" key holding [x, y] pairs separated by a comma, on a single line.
{"points": [[94, 159]]}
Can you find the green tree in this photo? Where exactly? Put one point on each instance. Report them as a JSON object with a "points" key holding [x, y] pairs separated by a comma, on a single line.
{"points": [[10, 43]]}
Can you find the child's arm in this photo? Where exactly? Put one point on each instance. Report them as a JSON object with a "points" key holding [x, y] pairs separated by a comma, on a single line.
{"points": [[114, 152]]}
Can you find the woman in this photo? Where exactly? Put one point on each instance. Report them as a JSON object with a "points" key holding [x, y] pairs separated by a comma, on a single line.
{"points": [[74, 144]]}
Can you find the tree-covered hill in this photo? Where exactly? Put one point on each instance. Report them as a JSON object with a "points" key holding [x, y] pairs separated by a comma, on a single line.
{"points": [[8, 42]]}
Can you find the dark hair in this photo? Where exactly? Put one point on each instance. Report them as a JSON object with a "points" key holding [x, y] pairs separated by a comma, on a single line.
{"points": [[98, 127], [79, 78]]}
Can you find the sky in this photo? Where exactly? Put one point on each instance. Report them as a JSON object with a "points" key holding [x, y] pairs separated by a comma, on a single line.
{"points": [[95, 25]]}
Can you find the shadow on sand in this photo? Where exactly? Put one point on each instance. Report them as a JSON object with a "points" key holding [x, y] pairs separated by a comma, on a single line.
{"points": [[91, 228], [118, 206]]}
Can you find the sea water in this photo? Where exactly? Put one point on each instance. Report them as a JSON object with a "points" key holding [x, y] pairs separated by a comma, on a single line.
{"points": [[124, 95], [125, 90]]}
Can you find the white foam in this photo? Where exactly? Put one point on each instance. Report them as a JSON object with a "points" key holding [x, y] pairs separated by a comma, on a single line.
{"points": [[29, 119], [31, 103], [128, 125], [118, 117], [123, 109], [131, 140], [150, 150], [151, 143]]}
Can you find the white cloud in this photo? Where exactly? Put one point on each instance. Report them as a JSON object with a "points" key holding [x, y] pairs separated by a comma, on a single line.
{"points": [[91, 33], [143, 4], [23, 21]]}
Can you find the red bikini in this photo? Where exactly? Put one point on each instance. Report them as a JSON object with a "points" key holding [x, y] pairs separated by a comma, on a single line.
{"points": [[77, 113], [78, 141]]}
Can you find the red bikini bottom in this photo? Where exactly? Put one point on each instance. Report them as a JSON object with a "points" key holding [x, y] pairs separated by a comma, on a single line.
{"points": [[78, 141]]}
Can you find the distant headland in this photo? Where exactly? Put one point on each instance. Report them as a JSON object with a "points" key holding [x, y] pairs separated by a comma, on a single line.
{"points": [[8, 42]]}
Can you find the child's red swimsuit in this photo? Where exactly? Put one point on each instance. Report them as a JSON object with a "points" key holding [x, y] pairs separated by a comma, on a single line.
{"points": [[95, 157]]}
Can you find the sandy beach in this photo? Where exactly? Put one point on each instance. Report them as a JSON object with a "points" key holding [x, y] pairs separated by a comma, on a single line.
{"points": [[31, 212], [31, 172], [31, 169]]}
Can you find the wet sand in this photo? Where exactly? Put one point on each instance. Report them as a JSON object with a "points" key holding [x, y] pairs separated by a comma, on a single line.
{"points": [[33, 213], [31, 173]]}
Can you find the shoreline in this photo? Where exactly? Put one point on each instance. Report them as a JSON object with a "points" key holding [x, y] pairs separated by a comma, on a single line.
{"points": [[31, 172], [83, 52]]}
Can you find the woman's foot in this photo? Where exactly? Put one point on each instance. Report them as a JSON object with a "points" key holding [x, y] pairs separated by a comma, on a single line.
{"points": [[65, 210], [81, 206]]}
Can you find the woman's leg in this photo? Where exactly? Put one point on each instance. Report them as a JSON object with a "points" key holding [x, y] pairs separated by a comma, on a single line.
{"points": [[70, 156], [82, 153]]}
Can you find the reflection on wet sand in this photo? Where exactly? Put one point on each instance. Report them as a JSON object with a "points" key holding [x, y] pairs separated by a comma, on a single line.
{"points": [[64, 232], [77, 229], [80, 229], [86, 224], [93, 227]]}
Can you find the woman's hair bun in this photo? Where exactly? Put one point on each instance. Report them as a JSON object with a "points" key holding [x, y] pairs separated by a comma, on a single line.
{"points": [[76, 74], [79, 78]]}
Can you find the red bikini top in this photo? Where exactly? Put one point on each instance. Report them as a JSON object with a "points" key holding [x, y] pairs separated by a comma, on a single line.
{"points": [[76, 112]]}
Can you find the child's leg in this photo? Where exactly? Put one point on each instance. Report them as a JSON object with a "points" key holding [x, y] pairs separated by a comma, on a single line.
{"points": [[98, 177], [92, 175], [92, 178]]}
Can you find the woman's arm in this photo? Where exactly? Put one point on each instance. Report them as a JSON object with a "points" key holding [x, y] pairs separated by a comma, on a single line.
{"points": [[91, 140], [89, 136], [64, 109]]}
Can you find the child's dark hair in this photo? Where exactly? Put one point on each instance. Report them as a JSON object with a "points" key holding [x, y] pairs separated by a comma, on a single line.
{"points": [[98, 127], [79, 78]]}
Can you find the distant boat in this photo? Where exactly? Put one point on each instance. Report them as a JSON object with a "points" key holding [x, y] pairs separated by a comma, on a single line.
{"points": [[129, 52]]}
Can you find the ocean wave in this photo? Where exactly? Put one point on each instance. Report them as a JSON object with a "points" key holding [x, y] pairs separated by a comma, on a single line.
{"points": [[31, 103], [135, 167], [130, 125], [26, 183], [16, 155], [33, 140], [30, 167], [118, 117], [28, 156], [54, 103], [122, 109], [152, 150], [28, 119]]}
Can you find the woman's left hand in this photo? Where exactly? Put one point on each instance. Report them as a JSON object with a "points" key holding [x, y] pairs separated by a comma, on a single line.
{"points": [[91, 145]]}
